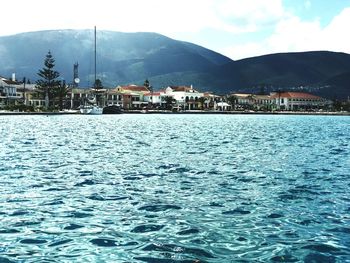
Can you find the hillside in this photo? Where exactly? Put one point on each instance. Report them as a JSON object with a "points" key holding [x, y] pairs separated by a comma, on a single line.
{"points": [[289, 70], [124, 58], [336, 87]]}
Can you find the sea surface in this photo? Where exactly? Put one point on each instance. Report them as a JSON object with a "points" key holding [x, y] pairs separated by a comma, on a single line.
{"points": [[174, 188]]}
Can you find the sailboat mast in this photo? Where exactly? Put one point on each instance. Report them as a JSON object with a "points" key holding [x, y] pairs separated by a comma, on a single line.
{"points": [[95, 59]]}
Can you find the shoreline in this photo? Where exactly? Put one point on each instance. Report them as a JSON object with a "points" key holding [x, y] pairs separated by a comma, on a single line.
{"points": [[11, 113]]}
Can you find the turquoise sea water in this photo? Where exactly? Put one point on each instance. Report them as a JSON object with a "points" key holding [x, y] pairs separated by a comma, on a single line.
{"points": [[174, 188]]}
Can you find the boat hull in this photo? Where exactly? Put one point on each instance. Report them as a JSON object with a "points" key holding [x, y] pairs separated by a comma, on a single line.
{"points": [[112, 109], [91, 110]]}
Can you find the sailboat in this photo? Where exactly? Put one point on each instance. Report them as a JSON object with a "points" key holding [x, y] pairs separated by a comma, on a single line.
{"points": [[91, 103]]}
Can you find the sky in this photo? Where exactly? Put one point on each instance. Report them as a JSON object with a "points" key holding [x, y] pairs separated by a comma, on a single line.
{"points": [[235, 28]]}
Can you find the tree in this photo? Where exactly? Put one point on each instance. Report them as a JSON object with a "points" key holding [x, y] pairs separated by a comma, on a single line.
{"points": [[98, 84], [61, 92], [202, 101], [46, 86], [146, 83], [98, 90], [232, 100], [169, 102]]}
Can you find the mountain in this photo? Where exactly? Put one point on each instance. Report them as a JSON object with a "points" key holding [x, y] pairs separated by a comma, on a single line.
{"points": [[335, 87], [285, 71], [122, 58], [125, 58]]}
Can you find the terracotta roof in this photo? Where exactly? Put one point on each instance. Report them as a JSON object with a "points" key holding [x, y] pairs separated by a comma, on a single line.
{"points": [[296, 95], [135, 88]]}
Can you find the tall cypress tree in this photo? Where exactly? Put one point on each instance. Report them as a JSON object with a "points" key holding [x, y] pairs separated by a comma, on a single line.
{"points": [[48, 83]]}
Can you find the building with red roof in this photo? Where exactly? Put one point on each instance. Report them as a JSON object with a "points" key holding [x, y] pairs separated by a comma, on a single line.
{"points": [[185, 97], [132, 96], [155, 98], [297, 100], [133, 88]]}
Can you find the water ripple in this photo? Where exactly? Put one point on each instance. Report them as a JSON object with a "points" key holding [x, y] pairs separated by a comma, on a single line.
{"points": [[174, 188], [147, 228], [159, 208]]}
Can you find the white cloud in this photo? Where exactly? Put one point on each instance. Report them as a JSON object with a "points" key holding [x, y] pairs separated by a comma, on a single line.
{"points": [[138, 15], [118, 15], [253, 11], [296, 35], [335, 36], [291, 34], [236, 16]]}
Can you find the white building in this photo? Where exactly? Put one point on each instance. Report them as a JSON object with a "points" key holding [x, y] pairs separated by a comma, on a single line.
{"points": [[186, 98], [298, 101], [155, 98], [8, 91]]}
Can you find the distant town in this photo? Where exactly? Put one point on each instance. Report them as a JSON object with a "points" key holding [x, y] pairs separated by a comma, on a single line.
{"points": [[21, 96], [50, 93]]}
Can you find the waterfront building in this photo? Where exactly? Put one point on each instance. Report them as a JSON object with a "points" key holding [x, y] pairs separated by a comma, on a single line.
{"points": [[263, 102], [8, 91], [77, 96], [210, 100], [155, 99], [186, 98], [292, 101], [132, 96], [241, 101], [13, 92], [298, 101], [114, 97], [129, 97], [28, 95]]}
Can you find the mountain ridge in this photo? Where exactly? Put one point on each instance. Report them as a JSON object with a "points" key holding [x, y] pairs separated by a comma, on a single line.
{"points": [[126, 58]]}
